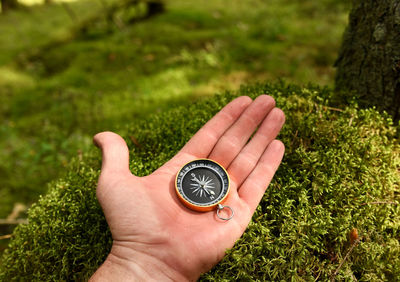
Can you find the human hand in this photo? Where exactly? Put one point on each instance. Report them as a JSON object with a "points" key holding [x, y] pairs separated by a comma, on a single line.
{"points": [[155, 237]]}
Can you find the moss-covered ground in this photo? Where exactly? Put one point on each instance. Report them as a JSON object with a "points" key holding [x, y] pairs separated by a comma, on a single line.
{"points": [[64, 77], [339, 173]]}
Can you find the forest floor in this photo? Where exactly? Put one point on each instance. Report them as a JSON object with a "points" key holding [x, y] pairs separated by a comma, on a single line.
{"points": [[64, 76]]}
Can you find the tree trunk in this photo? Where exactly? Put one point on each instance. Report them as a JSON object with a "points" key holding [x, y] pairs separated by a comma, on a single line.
{"points": [[369, 60], [8, 5]]}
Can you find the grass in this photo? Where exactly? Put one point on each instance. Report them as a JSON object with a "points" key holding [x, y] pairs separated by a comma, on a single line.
{"points": [[59, 86]]}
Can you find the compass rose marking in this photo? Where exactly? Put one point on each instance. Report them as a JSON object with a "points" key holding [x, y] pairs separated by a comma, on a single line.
{"points": [[202, 186]]}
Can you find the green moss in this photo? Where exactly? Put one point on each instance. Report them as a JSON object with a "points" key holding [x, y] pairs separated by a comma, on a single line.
{"points": [[339, 172], [70, 84]]}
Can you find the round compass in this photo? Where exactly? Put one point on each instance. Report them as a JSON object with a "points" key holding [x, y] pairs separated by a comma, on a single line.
{"points": [[202, 185]]}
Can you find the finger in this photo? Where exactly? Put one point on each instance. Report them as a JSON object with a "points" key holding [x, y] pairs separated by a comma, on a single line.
{"points": [[247, 159], [115, 153], [232, 142], [255, 185], [201, 144]]}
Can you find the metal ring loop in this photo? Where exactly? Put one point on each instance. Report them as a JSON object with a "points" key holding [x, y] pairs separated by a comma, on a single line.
{"points": [[221, 207]]}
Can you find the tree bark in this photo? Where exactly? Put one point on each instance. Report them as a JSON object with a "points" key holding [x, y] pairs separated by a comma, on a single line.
{"points": [[8, 5], [369, 59]]}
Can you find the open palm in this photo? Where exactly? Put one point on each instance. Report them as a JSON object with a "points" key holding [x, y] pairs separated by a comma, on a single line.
{"points": [[154, 234]]}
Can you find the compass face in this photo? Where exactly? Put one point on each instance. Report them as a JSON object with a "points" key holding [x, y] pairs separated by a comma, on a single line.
{"points": [[202, 184]]}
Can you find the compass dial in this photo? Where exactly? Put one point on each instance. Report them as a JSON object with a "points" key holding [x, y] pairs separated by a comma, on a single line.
{"points": [[202, 184]]}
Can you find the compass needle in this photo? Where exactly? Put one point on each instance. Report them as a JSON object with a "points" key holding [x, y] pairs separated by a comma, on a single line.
{"points": [[202, 185], [195, 179]]}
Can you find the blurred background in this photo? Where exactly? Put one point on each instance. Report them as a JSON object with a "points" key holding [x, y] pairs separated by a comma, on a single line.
{"points": [[69, 69]]}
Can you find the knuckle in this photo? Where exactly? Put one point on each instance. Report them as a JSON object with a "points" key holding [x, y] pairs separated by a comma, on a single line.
{"points": [[267, 170], [230, 144], [249, 120]]}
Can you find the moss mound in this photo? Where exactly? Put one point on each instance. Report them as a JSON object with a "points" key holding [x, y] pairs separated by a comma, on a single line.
{"points": [[340, 172]]}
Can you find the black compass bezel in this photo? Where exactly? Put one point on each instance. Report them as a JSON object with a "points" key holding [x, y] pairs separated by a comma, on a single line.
{"points": [[206, 164]]}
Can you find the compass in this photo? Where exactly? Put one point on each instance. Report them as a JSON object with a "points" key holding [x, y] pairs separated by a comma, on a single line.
{"points": [[203, 185]]}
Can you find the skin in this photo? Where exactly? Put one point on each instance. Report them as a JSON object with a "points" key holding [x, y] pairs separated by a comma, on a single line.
{"points": [[155, 237]]}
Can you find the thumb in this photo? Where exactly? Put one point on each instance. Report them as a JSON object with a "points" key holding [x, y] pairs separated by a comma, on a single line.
{"points": [[115, 153]]}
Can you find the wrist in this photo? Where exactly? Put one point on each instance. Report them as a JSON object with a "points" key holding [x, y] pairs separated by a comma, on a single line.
{"points": [[125, 264]]}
